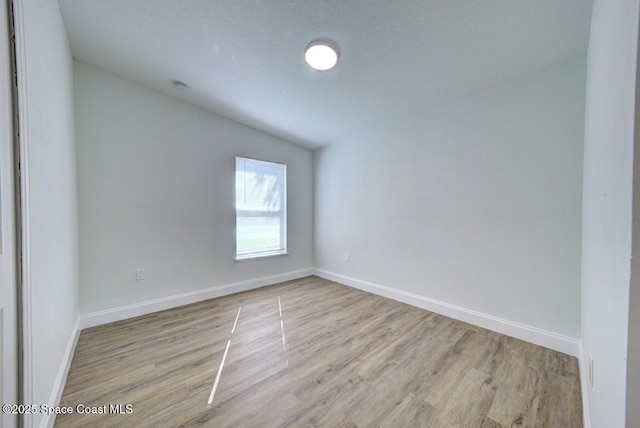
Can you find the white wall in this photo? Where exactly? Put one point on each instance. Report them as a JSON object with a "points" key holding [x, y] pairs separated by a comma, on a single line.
{"points": [[156, 191], [47, 131], [633, 357], [633, 353], [476, 204], [607, 204]]}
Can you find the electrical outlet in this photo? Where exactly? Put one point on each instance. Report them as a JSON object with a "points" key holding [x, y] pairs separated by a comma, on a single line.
{"points": [[140, 275], [591, 374], [347, 257]]}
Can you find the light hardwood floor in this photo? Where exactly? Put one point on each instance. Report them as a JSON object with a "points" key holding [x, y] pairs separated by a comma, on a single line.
{"points": [[312, 352]]}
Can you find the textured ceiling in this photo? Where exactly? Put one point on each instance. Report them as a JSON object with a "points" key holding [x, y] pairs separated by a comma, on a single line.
{"points": [[244, 59]]}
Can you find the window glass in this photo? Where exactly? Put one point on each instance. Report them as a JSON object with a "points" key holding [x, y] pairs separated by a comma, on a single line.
{"points": [[260, 208]]}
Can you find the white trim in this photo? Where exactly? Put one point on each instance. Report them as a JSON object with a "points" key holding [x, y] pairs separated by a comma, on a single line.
{"points": [[262, 255], [584, 385], [9, 327], [106, 316], [557, 342], [25, 201], [47, 421]]}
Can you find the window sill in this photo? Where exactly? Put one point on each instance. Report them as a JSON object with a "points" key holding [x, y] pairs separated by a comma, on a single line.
{"points": [[253, 256]]}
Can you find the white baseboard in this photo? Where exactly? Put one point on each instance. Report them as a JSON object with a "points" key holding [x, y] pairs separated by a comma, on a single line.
{"points": [[61, 379], [557, 342], [93, 319], [584, 385]]}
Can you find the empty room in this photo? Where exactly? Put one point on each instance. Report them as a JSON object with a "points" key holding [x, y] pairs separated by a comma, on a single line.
{"points": [[319, 213]]}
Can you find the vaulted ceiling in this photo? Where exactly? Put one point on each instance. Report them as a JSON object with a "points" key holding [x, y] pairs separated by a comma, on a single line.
{"points": [[244, 59]]}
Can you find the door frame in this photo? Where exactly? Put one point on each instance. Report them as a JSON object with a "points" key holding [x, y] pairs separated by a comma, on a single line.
{"points": [[22, 209], [10, 223]]}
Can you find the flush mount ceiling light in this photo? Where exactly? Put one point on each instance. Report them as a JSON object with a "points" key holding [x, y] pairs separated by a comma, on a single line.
{"points": [[321, 54]]}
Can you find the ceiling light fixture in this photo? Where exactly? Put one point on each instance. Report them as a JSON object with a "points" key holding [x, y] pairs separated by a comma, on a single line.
{"points": [[181, 87], [321, 54]]}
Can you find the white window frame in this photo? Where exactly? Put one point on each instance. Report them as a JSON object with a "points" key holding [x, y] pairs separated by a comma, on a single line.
{"points": [[282, 214]]}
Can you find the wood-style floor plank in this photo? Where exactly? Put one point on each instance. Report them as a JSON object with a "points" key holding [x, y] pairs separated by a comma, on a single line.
{"points": [[311, 352]]}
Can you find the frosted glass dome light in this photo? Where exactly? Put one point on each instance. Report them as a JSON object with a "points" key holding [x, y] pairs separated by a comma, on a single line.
{"points": [[321, 55]]}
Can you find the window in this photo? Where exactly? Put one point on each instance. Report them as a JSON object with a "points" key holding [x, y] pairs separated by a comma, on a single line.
{"points": [[261, 208]]}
